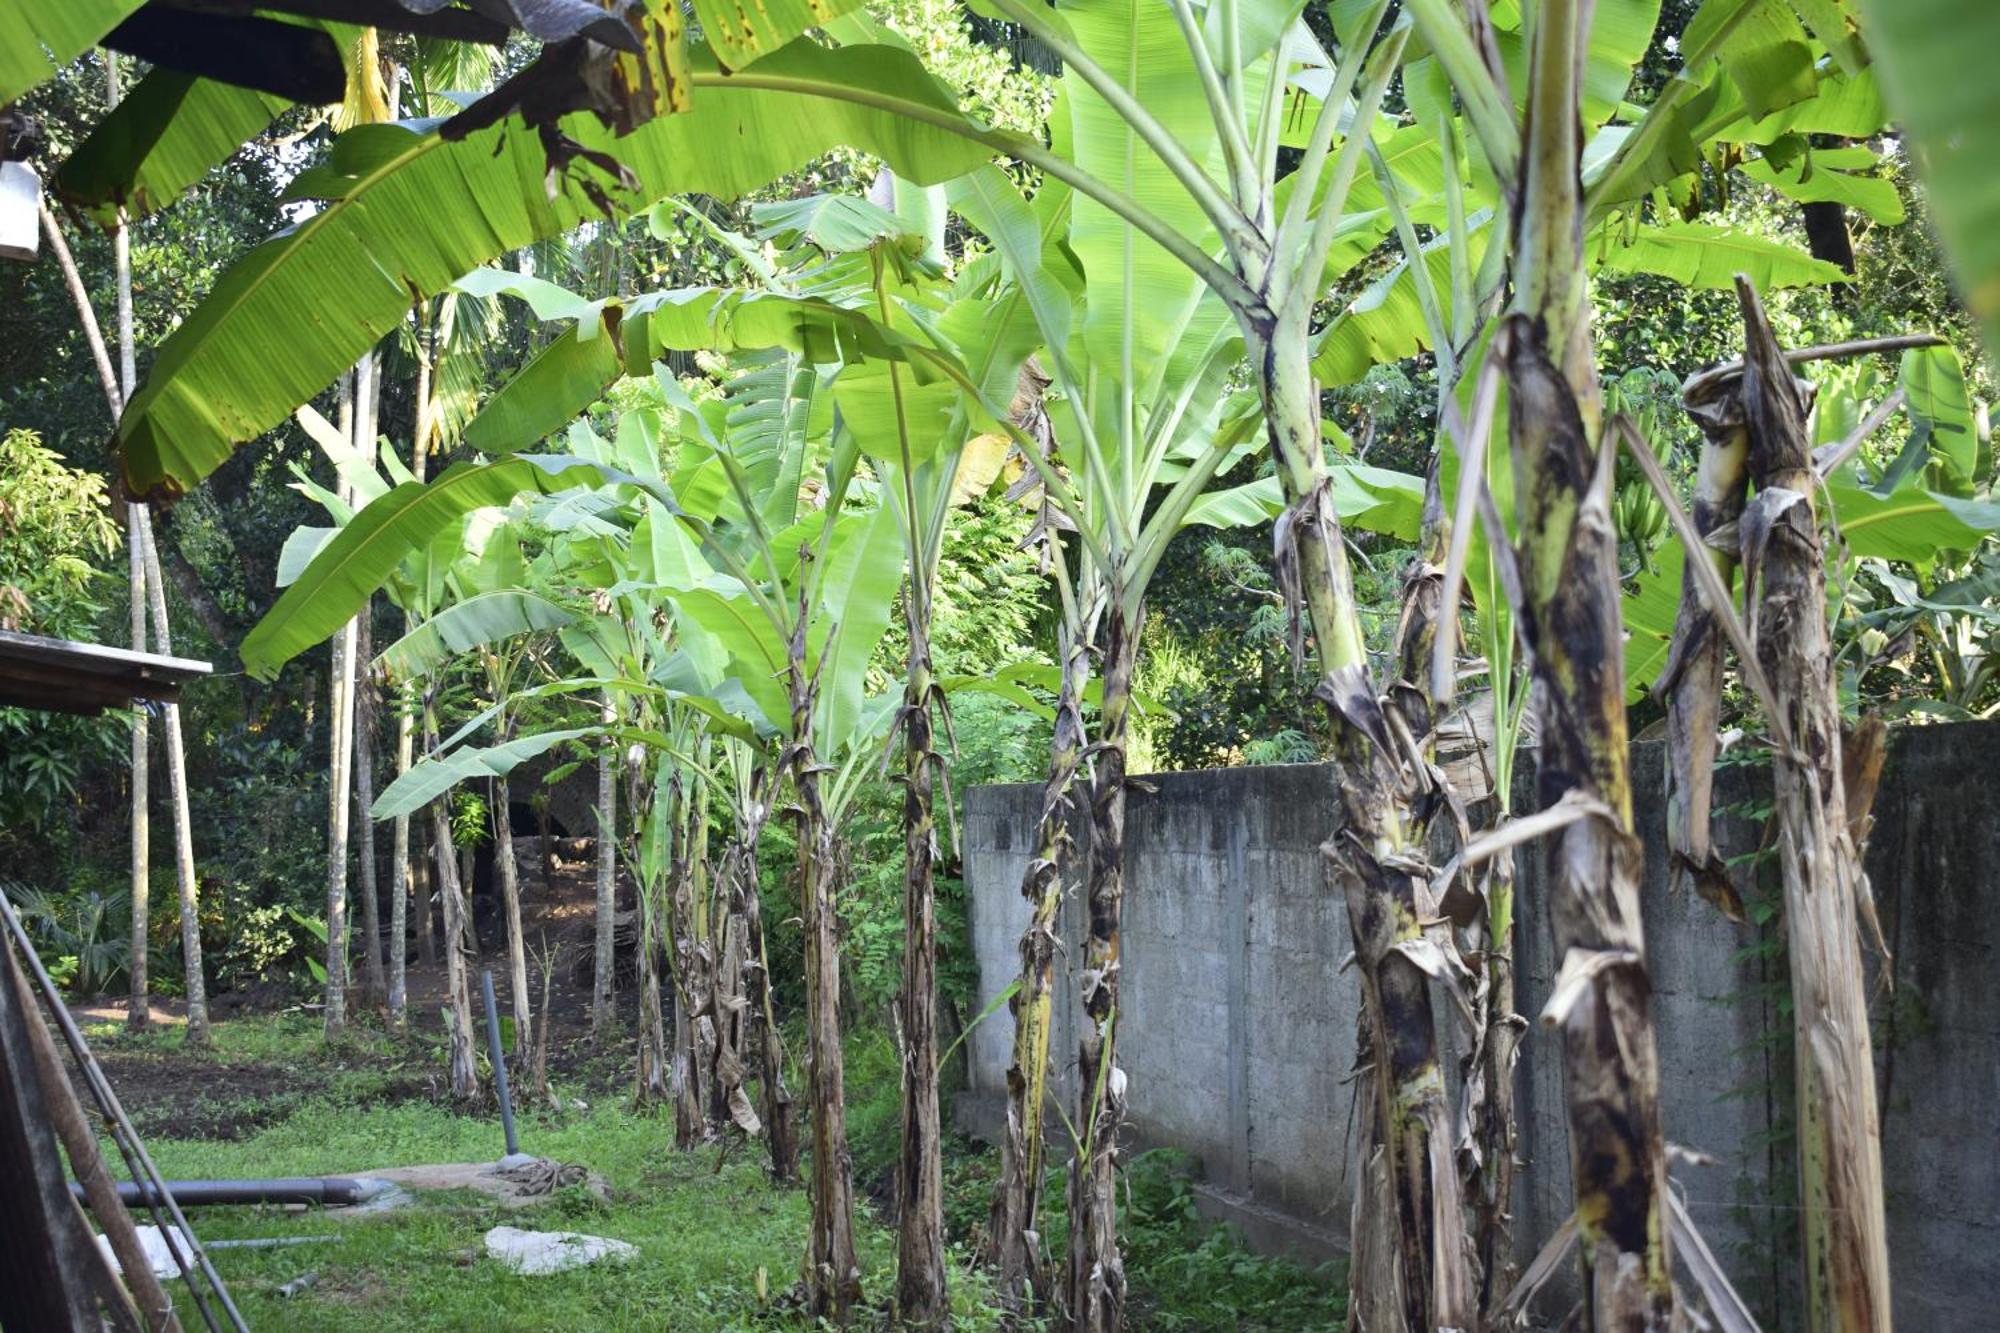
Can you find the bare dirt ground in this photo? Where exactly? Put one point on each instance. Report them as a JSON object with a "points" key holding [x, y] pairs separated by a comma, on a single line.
{"points": [[227, 1094]]}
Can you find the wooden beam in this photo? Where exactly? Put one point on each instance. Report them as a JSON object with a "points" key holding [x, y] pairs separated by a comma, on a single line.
{"points": [[44, 1272]]}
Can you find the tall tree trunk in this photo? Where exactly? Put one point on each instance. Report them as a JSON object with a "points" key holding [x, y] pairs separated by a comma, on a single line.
{"points": [[401, 864], [832, 1270], [139, 1012], [340, 743], [1014, 1225], [402, 883], [921, 1299], [428, 904], [607, 879], [510, 899], [177, 791], [1095, 1291], [1419, 1277], [1840, 1134], [373, 984], [1602, 998], [340, 746], [463, 1071], [156, 598]]}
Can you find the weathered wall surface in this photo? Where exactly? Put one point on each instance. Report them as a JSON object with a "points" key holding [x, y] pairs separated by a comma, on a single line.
{"points": [[1237, 1024]]}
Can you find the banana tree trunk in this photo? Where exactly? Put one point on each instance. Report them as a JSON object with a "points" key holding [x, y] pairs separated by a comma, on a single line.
{"points": [[832, 1271], [463, 1070], [510, 898], [372, 983], [1602, 999], [1015, 1249], [653, 1071], [779, 1117], [1840, 1133], [402, 883], [1095, 1290], [1692, 680], [607, 880], [1418, 1276], [921, 1299], [692, 953]]}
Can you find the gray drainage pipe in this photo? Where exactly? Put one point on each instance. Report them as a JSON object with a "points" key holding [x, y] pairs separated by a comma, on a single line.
{"points": [[332, 1191]]}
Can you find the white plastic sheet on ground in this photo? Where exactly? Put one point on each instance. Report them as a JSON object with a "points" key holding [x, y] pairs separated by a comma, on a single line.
{"points": [[158, 1257], [534, 1253]]}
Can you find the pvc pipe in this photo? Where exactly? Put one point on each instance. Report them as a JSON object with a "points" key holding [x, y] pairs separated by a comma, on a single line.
{"points": [[333, 1191], [499, 1062]]}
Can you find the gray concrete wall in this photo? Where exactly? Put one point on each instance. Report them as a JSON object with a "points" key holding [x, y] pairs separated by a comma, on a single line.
{"points": [[1238, 1024]]}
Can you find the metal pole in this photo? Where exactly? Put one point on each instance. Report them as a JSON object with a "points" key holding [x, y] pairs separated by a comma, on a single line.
{"points": [[499, 1060]]}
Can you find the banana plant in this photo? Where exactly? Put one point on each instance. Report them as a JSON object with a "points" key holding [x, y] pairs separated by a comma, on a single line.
{"points": [[502, 614], [802, 598]]}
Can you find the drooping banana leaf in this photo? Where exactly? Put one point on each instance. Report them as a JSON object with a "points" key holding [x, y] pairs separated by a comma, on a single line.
{"points": [[39, 37], [1935, 63], [166, 135], [1372, 499], [1708, 257], [407, 213], [1836, 175], [432, 778], [463, 626]]}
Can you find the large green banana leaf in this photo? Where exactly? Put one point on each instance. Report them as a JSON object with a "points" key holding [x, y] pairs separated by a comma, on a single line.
{"points": [[473, 623], [1936, 62], [408, 213], [1138, 43], [165, 136], [364, 554], [1706, 256], [432, 778], [623, 338], [1371, 499], [39, 37], [1835, 175]]}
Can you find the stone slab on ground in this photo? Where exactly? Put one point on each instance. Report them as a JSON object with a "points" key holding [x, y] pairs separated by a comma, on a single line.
{"points": [[538, 1253]]}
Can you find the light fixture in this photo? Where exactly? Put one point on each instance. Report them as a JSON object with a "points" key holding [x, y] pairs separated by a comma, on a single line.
{"points": [[20, 211], [20, 186]]}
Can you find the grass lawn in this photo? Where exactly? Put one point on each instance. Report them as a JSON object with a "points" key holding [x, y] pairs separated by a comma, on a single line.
{"points": [[719, 1244]]}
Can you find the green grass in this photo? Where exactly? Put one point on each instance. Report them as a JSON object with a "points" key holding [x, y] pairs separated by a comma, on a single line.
{"points": [[719, 1244], [703, 1236]]}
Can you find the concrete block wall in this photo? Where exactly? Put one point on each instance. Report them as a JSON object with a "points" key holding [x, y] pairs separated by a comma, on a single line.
{"points": [[1237, 1026]]}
